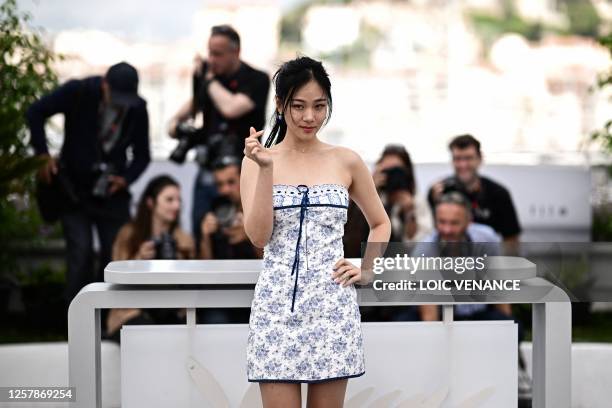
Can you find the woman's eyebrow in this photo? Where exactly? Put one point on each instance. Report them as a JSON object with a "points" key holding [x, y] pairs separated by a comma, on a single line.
{"points": [[303, 101]]}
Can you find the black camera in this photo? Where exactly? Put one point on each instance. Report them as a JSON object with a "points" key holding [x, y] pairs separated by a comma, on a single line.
{"points": [[102, 171], [188, 137], [225, 211], [209, 146], [165, 247], [396, 179]]}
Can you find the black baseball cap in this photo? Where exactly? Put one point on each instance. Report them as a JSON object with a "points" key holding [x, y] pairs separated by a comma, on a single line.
{"points": [[122, 79]]}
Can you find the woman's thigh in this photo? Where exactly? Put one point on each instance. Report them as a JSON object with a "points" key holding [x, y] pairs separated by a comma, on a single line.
{"points": [[328, 394], [281, 395]]}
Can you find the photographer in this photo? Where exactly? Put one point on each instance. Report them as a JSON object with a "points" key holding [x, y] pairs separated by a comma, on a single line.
{"points": [[154, 233], [104, 118], [231, 96], [223, 234], [410, 221], [456, 235], [491, 203], [409, 214]]}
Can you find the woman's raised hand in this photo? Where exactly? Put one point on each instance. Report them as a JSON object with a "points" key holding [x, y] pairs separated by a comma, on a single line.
{"points": [[255, 151]]}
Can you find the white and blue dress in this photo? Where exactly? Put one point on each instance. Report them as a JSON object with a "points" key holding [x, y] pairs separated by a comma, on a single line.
{"points": [[304, 327]]}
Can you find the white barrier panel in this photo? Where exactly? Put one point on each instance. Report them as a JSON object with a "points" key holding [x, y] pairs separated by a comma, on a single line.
{"points": [[459, 365]]}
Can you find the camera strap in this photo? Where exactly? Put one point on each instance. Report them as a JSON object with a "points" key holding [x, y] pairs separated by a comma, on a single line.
{"points": [[123, 139], [109, 134]]}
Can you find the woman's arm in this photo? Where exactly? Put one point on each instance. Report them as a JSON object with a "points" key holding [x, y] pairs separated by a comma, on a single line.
{"points": [[116, 317], [120, 250], [185, 244], [256, 191], [363, 192], [206, 251]]}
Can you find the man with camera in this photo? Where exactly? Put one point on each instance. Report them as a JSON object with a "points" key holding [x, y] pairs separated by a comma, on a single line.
{"points": [[491, 203], [456, 235], [104, 118], [223, 234], [231, 96]]}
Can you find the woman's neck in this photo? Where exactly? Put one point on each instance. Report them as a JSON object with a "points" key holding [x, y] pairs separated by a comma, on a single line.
{"points": [[303, 146], [159, 227]]}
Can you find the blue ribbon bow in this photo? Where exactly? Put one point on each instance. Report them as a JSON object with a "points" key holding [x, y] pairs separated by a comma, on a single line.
{"points": [[296, 260]]}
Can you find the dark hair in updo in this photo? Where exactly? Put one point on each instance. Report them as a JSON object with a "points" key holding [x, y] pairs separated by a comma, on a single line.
{"points": [[290, 77]]}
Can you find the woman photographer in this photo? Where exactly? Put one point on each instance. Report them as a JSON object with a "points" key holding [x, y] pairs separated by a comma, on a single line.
{"points": [[411, 218], [154, 233]]}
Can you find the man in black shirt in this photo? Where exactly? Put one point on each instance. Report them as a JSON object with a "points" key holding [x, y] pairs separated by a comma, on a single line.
{"points": [[104, 118], [232, 97], [491, 203]]}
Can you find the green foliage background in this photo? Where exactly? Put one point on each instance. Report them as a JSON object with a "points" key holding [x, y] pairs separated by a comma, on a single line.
{"points": [[25, 74]]}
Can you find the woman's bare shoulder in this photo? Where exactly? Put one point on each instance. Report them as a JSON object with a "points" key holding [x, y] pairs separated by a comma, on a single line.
{"points": [[125, 232], [346, 155]]}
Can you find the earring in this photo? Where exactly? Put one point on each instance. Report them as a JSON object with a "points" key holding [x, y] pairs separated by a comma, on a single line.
{"points": [[279, 116]]}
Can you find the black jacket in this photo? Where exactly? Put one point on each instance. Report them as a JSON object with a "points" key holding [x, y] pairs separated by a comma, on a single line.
{"points": [[79, 101]]}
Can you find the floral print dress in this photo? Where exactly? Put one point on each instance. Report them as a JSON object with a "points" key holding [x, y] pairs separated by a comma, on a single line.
{"points": [[304, 327]]}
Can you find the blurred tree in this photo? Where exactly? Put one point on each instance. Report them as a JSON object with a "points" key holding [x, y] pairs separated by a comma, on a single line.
{"points": [[490, 26], [602, 213], [582, 16], [292, 22], [25, 74], [604, 80], [582, 19]]}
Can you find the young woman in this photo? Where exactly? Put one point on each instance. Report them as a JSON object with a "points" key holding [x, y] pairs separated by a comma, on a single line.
{"points": [[305, 323], [153, 233], [417, 220]]}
